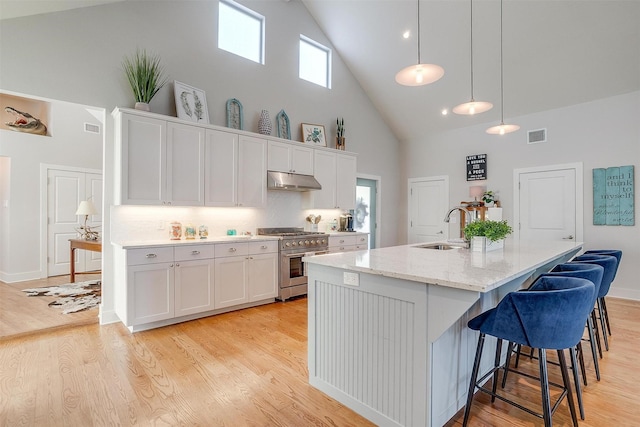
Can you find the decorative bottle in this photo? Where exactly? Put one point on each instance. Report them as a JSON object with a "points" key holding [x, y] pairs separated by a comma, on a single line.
{"points": [[264, 123]]}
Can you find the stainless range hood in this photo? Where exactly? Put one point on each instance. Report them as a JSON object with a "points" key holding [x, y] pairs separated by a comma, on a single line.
{"points": [[291, 182]]}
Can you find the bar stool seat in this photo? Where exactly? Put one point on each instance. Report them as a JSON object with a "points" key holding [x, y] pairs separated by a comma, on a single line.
{"points": [[610, 265], [550, 316], [615, 253]]}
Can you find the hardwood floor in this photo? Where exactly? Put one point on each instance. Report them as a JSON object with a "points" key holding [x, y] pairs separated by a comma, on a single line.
{"points": [[22, 315], [245, 368]]}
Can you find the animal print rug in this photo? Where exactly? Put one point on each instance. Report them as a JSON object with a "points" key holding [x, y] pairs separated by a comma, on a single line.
{"points": [[72, 297]]}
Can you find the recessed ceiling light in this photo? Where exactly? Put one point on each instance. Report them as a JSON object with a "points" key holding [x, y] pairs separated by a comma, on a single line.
{"points": [[406, 34], [445, 111]]}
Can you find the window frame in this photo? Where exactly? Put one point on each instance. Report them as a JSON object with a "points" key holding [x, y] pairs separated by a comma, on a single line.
{"points": [[321, 47], [251, 14]]}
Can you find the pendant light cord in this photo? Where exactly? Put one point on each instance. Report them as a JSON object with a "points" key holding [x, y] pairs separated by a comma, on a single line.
{"points": [[501, 72], [418, 13], [471, 2]]}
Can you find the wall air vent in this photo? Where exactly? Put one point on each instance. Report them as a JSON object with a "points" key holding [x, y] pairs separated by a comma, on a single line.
{"points": [[91, 128], [536, 136]]}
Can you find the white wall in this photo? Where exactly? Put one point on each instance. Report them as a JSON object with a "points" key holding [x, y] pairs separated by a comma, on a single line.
{"points": [[67, 144], [599, 134], [79, 55]]}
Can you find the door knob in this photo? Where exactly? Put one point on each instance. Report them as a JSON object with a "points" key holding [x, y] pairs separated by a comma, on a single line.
{"points": [[569, 237]]}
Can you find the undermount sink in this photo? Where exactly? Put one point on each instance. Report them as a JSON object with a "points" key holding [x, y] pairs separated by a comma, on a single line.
{"points": [[438, 246]]}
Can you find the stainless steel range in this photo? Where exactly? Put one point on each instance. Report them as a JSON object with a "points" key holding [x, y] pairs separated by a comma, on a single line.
{"points": [[295, 243]]}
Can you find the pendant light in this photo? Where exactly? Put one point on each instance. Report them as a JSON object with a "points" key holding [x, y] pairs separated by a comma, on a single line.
{"points": [[472, 107], [419, 74], [501, 129]]}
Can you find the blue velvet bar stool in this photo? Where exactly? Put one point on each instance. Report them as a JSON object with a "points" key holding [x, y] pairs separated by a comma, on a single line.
{"points": [[593, 273], [550, 316], [610, 265], [612, 252]]}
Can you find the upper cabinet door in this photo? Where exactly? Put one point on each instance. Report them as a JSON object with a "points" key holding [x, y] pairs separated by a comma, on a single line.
{"points": [[142, 159], [290, 158], [185, 165], [252, 172], [221, 168], [325, 173], [302, 160]]}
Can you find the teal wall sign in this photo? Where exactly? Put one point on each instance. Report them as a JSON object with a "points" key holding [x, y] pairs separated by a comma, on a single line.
{"points": [[613, 196]]}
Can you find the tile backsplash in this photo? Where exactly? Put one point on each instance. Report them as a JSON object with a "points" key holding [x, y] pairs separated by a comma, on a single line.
{"points": [[134, 223]]}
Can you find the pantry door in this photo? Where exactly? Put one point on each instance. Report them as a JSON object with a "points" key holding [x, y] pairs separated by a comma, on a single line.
{"points": [[548, 203], [428, 204]]}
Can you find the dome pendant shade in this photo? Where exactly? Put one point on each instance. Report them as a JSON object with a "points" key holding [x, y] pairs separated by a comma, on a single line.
{"points": [[419, 75], [472, 107], [501, 129]]}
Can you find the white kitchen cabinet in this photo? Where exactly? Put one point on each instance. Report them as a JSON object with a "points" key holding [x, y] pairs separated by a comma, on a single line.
{"points": [[263, 270], [336, 173], [221, 168], [235, 170], [194, 279], [245, 272], [292, 158], [150, 285], [159, 162], [346, 243], [252, 172]]}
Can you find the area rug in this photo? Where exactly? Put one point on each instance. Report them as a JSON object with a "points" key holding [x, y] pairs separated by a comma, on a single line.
{"points": [[72, 297]]}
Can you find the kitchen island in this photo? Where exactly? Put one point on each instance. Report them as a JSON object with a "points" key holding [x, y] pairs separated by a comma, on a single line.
{"points": [[388, 332]]}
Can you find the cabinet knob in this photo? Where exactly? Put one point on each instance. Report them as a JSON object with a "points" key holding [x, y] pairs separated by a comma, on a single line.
{"points": [[152, 256], [263, 247], [177, 265], [341, 240], [195, 252], [170, 265]]}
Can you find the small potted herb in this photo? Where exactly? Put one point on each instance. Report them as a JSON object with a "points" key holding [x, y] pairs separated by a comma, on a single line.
{"points": [[487, 235], [145, 76], [488, 197]]}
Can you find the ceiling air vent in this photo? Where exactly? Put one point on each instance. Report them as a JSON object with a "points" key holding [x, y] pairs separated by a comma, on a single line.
{"points": [[537, 136], [91, 128]]}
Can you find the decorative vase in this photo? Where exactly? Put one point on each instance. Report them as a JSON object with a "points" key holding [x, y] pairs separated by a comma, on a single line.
{"points": [[264, 124], [142, 106], [482, 244], [340, 143]]}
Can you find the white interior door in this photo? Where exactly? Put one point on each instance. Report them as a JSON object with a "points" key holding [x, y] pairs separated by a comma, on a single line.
{"points": [[428, 204], [65, 190], [549, 203]]}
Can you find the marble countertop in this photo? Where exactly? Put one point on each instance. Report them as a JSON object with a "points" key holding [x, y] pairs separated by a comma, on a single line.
{"points": [[132, 244], [458, 268]]}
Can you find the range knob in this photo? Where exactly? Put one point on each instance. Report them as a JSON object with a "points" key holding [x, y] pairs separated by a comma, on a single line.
{"points": [[306, 242], [293, 243], [300, 243], [287, 244], [323, 241]]}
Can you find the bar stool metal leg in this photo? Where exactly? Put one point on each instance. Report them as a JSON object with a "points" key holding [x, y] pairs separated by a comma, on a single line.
{"points": [[474, 378]]}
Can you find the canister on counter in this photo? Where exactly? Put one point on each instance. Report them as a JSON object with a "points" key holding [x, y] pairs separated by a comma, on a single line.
{"points": [[190, 231], [175, 232], [203, 231]]}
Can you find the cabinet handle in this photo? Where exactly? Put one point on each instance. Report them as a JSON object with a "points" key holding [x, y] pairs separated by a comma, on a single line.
{"points": [[263, 247], [195, 252], [152, 256], [341, 241], [232, 249]]}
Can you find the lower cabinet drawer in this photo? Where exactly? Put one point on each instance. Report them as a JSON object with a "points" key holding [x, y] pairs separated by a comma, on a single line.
{"points": [[150, 255], [189, 252], [231, 249], [263, 247]]}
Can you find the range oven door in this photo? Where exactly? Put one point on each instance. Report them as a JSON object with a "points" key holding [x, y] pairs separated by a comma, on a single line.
{"points": [[292, 270]]}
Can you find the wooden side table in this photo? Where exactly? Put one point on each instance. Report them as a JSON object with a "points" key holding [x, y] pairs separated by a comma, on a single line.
{"points": [[87, 245]]}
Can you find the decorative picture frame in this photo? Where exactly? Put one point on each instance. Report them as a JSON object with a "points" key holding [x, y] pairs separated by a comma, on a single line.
{"points": [[282, 122], [313, 134], [235, 114], [191, 103]]}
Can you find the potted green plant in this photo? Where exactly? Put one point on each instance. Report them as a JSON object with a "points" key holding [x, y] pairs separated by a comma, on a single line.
{"points": [[145, 76], [488, 197], [487, 235]]}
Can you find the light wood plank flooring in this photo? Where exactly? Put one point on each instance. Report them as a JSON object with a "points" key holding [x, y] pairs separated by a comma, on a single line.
{"points": [[245, 368], [22, 315]]}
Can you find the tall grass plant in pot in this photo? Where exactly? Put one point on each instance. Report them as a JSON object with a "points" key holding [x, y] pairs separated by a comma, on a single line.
{"points": [[145, 75]]}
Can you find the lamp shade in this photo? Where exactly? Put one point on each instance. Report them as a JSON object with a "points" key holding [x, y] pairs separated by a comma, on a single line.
{"points": [[476, 191], [419, 74], [86, 208]]}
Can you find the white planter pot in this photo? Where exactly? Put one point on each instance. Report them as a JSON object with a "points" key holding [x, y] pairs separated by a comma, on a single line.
{"points": [[482, 244]]}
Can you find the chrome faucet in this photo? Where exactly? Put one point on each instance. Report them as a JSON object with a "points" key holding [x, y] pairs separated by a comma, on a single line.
{"points": [[467, 217]]}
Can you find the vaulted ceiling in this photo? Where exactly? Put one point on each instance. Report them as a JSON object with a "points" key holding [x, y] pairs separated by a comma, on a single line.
{"points": [[556, 53]]}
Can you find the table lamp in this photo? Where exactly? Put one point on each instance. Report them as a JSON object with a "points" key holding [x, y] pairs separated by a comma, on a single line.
{"points": [[87, 208], [476, 192]]}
